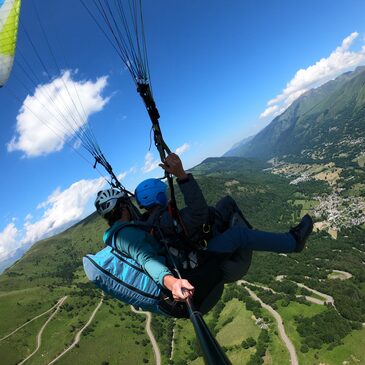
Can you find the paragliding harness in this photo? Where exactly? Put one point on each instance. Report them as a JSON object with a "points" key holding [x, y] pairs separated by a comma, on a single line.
{"points": [[181, 237], [122, 277], [198, 240]]}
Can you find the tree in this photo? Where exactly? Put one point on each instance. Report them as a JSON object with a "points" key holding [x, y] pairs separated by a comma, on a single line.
{"points": [[251, 341], [304, 348]]}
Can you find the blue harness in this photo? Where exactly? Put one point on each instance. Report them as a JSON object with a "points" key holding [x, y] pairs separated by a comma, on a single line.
{"points": [[123, 278]]}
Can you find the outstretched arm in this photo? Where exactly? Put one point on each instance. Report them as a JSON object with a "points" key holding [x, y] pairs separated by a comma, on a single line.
{"points": [[180, 288], [140, 246], [196, 212]]}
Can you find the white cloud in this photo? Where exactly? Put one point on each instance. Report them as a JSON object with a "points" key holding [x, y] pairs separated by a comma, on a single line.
{"points": [[180, 150], [121, 118], [133, 170], [122, 175], [150, 163], [28, 217], [51, 116], [60, 210], [9, 242], [340, 60], [269, 111]]}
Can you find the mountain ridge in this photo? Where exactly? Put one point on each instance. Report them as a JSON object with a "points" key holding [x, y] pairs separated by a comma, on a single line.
{"points": [[333, 104]]}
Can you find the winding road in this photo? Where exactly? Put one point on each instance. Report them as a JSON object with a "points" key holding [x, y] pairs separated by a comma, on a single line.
{"points": [[282, 333], [344, 275], [327, 299], [173, 341], [39, 336], [57, 307], [156, 348], [33, 319], [78, 334], [308, 298]]}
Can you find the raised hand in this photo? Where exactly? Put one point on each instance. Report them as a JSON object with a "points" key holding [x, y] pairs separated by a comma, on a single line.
{"points": [[173, 165]]}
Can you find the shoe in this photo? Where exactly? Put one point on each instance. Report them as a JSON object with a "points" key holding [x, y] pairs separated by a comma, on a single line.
{"points": [[301, 232]]}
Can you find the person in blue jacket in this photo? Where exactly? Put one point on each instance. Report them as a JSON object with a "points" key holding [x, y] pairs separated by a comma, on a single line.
{"points": [[151, 254], [151, 195], [114, 206], [226, 253]]}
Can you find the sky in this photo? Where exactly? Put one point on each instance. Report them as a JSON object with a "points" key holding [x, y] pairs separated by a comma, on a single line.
{"points": [[220, 70]]}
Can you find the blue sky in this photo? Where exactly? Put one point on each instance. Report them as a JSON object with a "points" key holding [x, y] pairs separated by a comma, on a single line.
{"points": [[220, 71]]}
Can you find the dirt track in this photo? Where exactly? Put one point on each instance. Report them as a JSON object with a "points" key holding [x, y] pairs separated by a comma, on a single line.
{"points": [[78, 335], [156, 348], [33, 319], [39, 336], [283, 335]]}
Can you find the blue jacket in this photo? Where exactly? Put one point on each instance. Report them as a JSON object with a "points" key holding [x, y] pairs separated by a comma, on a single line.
{"points": [[141, 247], [193, 215]]}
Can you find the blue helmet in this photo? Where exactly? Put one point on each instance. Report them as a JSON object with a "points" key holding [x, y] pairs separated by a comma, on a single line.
{"points": [[151, 192]]}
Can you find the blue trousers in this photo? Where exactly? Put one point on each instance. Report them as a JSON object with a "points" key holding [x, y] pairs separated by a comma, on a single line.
{"points": [[238, 237]]}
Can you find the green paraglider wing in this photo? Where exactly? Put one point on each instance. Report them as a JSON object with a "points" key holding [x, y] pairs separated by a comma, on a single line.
{"points": [[9, 17]]}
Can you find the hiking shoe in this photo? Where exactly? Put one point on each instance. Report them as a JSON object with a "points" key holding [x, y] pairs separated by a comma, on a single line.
{"points": [[301, 232]]}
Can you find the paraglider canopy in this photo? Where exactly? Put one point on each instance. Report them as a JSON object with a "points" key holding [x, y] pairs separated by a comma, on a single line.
{"points": [[9, 17]]}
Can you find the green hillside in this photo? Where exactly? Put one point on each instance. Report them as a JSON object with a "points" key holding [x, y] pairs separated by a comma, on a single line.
{"points": [[323, 124], [52, 269]]}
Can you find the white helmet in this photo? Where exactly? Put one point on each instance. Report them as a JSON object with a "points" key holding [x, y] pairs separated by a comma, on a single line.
{"points": [[106, 200]]}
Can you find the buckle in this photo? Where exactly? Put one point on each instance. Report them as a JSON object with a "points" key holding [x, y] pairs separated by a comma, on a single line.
{"points": [[206, 228]]}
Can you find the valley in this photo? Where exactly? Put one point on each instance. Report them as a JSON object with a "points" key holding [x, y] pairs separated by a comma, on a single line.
{"points": [[342, 205], [306, 308], [302, 286]]}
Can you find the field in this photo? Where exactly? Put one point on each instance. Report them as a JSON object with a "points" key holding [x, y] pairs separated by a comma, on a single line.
{"points": [[53, 269], [305, 205], [240, 324]]}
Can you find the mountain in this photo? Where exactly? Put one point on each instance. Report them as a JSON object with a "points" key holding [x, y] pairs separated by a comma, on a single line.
{"points": [[51, 273], [14, 257], [317, 125], [17, 254], [321, 137], [234, 151]]}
